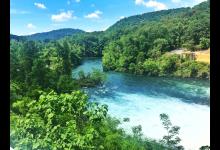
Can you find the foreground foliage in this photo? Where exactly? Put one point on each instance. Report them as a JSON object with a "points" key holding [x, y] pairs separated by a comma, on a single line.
{"points": [[171, 139], [69, 121]]}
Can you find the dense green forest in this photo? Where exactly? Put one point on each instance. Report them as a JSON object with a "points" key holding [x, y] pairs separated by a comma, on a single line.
{"points": [[141, 49], [138, 44], [48, 108]]}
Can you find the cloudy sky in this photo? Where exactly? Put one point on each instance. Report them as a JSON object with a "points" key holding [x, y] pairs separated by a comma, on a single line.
{"points": [[32, 16]]}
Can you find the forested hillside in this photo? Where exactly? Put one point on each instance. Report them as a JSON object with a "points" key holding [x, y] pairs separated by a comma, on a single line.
{"points": [[122, 25], [141, 49], [92, 43], [51, 35], [16, 37]]}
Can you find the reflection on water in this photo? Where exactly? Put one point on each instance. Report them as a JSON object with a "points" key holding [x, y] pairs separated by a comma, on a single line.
{"points": [[143, 98]]}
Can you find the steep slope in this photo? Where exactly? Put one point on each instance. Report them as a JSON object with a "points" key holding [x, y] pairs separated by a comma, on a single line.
{"points": [[130, 24], [138, 46], [143, 18]]}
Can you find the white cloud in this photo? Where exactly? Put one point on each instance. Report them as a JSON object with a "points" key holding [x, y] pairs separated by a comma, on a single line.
{"points": [[122, 17], [30, 33], [176, 1], [63, 16], [199, 1], [151, 3], [89, 30], [94, 15], [72, 1], [156, 5], [15, 12], [139, 2], [105, 28], [40, 5], [187, 3], [31, 26], [192, 3]]}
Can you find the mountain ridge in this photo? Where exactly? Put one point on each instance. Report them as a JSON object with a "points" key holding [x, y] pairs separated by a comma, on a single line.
{"points": [[49, 35]]}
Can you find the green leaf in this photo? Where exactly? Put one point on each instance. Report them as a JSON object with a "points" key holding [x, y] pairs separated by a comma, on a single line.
{"points": [[50, 115]]}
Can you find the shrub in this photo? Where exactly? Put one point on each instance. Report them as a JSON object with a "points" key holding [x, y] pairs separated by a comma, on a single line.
{"points": [[151, 67], [204, 43]]}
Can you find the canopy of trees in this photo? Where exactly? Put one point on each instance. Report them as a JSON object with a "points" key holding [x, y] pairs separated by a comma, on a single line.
{"points": [[141, 48]]}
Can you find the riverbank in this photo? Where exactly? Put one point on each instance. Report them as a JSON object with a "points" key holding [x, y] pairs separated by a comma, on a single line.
{"points": [[167, 65], [142, 99]]}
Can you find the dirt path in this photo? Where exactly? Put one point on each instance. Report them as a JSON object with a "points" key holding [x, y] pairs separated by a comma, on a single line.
{"points": [[201, 55]]}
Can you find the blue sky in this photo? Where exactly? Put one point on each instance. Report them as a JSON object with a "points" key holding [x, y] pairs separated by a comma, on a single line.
{"points": [[33, 16]]}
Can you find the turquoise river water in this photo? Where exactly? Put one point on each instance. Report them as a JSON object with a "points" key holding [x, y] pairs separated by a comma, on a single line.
{"points": [[143, 99]]}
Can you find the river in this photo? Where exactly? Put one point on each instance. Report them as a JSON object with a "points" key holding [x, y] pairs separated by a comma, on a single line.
{"points": [[143, 99]]}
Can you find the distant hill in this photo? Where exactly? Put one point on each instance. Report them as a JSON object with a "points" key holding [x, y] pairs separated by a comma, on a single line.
{"points": [[132, 23], [146, 17], [51, 35], [16, 37]]}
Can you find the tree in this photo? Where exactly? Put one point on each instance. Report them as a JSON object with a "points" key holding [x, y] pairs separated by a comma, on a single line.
{"points": [[140, 57], [40, 73], [151, 67], [161, 44], [63, 121], [171, 139], [64, 54], [168, 64], [204, 147], [137, 131], [204, 43], [66, 84], [28, 54], [69, 121], [29, 51]]}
